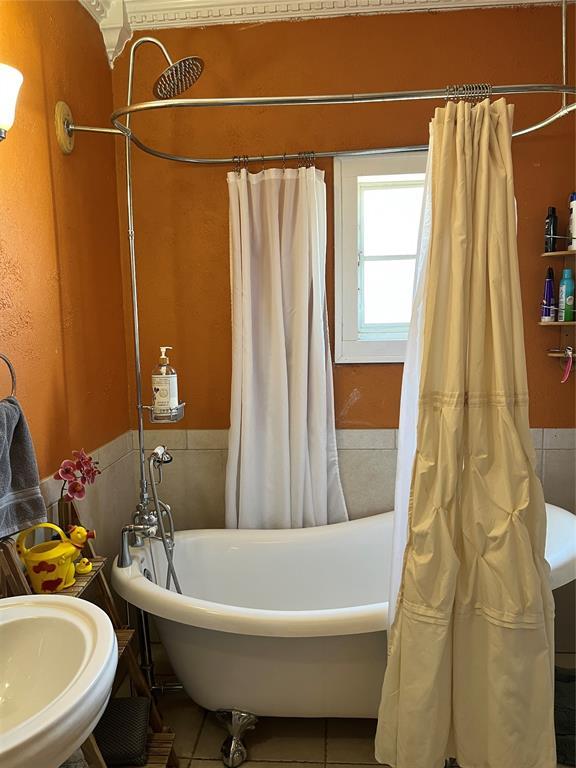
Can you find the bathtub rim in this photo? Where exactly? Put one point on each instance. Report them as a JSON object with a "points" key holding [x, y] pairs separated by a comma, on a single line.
{"points": [[133, 586]]}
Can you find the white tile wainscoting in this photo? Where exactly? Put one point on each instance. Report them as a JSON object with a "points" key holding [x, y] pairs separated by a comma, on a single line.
{"points": [[194, 482], [194, 485]]}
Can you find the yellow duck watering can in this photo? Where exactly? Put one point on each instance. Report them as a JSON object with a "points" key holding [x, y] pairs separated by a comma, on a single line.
{"points": [[50, 565]]}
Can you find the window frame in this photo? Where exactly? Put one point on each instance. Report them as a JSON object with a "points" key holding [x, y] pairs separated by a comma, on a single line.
{"points": [[349, 347]]}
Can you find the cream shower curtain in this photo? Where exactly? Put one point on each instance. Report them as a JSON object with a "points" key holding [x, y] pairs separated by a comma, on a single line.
{"points": [[470, 667], [282, 469]]}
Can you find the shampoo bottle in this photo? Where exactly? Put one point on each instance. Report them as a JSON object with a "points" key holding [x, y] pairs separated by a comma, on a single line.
{"points": [[566, 297], [548, 311], [550, 230], [164, 386]]}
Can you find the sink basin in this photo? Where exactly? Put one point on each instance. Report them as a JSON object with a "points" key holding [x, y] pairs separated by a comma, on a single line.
{"points": [[57, 665]]}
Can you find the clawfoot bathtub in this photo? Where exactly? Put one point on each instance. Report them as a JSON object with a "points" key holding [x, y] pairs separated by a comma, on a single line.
{"points": [[286, 623]]}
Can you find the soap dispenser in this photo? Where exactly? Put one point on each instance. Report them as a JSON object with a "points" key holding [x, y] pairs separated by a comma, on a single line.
{"points": [[164, 386]]}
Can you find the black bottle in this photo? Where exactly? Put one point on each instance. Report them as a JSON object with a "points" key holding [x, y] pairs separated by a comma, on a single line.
{"points": [[550, 230]]}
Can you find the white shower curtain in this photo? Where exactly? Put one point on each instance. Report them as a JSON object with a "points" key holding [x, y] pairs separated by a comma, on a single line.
{"points": [[282, 469], [409, 399], [470, 658]]}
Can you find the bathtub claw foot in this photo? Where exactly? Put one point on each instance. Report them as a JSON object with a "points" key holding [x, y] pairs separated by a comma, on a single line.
{"points": [[236, 723]]}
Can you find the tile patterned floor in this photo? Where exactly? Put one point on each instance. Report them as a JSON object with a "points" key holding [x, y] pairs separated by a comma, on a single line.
{"points": [[275, 742]]}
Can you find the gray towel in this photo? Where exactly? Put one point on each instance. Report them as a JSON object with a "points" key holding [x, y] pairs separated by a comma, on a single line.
{"points": [[21, 503]]}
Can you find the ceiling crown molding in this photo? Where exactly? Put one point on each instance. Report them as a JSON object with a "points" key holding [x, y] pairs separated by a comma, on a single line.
{"points": [[112, 18], [119, 18]]}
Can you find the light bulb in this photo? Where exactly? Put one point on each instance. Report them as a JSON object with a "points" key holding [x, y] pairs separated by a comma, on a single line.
{"points": [[10, 82]]}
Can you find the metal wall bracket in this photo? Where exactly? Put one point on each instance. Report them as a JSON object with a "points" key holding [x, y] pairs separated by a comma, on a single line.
{"points": [[63, 123]]}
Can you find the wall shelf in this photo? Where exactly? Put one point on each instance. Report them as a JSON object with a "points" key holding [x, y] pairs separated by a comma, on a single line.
{"points": [[557, 324], [558, 253]]}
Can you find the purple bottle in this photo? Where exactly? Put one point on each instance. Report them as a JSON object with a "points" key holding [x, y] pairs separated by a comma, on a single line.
{"points": [[548, 311]]}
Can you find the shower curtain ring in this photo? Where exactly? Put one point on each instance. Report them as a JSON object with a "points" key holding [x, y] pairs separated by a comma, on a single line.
{"points": [[283, 162], [237, 166]]}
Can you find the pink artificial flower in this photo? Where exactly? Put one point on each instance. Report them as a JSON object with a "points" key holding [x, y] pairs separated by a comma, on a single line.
{"points": [[87, 467], [90, 473], [75, 490], [76, 474], [66, 471]]}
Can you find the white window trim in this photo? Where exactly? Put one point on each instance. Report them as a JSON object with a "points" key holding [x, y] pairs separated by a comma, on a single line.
{"points": [[348, 347]]}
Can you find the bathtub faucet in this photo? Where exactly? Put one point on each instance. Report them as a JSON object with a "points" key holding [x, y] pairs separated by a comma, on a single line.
{"points": [[149, 523], [140, 530]]}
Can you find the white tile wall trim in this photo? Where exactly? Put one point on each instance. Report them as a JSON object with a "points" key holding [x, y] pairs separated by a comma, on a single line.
{"points": [[194, 482]]}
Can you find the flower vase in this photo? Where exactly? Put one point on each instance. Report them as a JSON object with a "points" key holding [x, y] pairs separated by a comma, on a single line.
{"points": [[65, 514]]}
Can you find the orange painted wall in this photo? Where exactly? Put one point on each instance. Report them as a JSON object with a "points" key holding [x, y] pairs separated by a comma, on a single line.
{"points": [[61, 317], [182, 213]]}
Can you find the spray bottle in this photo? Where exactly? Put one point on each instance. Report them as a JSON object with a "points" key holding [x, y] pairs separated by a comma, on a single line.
{"points": [[164, 386]]}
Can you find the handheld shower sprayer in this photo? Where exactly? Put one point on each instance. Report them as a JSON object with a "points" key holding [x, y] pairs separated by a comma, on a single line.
{"points": [[158, 457], [160, 454], [150, 524]]}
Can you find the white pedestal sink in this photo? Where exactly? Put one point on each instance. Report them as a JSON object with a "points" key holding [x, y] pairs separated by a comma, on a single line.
{"points": [[57, 663]]}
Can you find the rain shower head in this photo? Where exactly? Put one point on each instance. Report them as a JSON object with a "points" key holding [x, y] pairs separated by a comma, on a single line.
{"points": [[178, 77]]}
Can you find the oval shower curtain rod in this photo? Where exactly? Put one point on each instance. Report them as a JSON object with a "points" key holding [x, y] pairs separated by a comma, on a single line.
{"points": [[451, 93], [472, 92]]}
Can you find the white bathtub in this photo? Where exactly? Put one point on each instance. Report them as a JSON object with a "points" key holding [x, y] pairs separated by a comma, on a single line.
{"points": [[287, 623]]}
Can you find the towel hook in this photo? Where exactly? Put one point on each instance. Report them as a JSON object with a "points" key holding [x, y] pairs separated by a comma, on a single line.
{"points": [[12, 373]]}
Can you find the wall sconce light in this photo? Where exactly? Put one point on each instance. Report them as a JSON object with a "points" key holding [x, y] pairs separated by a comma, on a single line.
{"points": [[10, 82]]}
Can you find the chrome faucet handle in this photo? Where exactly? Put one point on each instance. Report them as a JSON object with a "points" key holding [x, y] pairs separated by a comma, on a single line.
{"points": [[139, 531]]}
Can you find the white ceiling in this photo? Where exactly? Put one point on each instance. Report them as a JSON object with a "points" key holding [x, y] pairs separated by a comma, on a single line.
{"points": [[118, 19]]}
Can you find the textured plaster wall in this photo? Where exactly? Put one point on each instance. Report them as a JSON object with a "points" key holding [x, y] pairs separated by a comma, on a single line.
{"points": [[61, 317]]}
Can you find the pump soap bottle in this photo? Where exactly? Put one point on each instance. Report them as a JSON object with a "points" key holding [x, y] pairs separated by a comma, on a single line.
{"points": [[164, 386]]}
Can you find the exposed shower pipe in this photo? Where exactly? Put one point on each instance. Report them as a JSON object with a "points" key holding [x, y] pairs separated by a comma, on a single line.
{"points": [[142, 508]]}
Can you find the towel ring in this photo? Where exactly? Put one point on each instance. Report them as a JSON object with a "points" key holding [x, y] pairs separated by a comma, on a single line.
{"points": [[12, 373]]}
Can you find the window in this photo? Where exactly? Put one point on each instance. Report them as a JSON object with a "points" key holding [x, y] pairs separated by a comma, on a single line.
{"points": [[377, 208]]}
